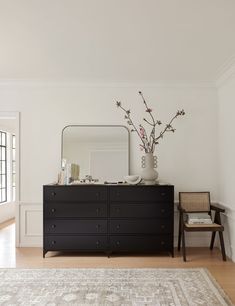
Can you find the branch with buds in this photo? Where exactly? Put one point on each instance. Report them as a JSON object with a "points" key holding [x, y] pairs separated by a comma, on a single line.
{"points": [[148, 143]]}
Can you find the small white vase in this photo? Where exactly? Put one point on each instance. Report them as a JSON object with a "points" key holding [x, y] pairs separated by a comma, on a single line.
{"points": [[149, 174]]}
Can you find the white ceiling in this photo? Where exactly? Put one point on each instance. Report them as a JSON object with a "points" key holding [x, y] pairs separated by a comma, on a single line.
{"points": [[115, 40]]}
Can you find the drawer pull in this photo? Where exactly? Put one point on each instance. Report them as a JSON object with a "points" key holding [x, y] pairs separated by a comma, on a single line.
{"points": [[162, 226], [118, 210], [162, 242], [118, 243], [118, 227], [97, 194], [97, 242], [162, 210], [97, 210], [163, 194], [53, 242], [53, 226], [98, 226], [53, 210], [53, 193]]}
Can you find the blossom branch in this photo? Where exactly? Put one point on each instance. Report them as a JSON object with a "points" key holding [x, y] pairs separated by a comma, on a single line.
{"points": [[129, 120], [148, 144], [148, 110], [169, 127]]}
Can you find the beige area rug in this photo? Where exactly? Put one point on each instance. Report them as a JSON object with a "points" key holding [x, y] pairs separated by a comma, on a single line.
{"points": [[109, 287]]}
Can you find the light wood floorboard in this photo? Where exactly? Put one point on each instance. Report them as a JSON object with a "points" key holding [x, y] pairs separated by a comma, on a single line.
{"points": [[11, 257]]}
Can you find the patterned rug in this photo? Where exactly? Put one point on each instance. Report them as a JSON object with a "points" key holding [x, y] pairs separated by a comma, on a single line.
{"points": [[163, 287]]}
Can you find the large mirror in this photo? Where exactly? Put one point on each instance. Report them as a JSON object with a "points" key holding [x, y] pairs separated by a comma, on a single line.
{"points": [[99, 151]]}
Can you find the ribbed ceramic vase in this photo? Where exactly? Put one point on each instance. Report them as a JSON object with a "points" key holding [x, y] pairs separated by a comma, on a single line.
{"points": [[149, 174]]}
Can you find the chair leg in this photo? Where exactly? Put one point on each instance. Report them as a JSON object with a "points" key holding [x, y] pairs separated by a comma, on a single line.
{"points": [[179, 236], [222, 245], [212, 240], [183, 245]]}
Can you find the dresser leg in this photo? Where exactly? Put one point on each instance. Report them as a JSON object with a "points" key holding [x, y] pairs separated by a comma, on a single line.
{"points": [[44, 253], [109, 254]]}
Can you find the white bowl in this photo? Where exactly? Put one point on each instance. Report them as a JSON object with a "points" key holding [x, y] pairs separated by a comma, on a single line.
{"points": [[132, 179]]}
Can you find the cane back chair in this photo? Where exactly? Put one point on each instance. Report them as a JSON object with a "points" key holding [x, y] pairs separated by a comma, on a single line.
{"points": [[198, 202]]}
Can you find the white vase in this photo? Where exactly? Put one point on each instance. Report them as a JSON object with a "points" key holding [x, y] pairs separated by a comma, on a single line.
{"points": [[149, 174]]}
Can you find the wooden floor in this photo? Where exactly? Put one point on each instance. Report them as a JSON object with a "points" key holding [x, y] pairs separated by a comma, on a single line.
{"points": [[11, 257]]}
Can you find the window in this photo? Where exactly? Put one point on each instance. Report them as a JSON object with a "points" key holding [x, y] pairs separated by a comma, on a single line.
{"points": [[13, 168], [3, 167]]}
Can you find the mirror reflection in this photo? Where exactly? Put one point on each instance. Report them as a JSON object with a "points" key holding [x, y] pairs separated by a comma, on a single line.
{"points": [[101, 152]]}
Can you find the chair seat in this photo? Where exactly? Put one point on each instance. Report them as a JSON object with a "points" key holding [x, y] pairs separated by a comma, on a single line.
{"points": [[203, 227]]}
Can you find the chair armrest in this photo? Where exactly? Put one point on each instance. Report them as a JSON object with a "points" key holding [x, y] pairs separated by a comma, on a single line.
{"points": [[181, 209], [217, 209]]}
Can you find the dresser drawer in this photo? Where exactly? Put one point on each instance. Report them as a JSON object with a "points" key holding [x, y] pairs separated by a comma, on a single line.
{"points": [[64, 242], [147, 210], [141, 194], [76, 210], [75, 226], [141, 243], [75, 194], [143, 226]]}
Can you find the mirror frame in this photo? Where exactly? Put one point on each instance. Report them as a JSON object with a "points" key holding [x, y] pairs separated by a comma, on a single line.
{"points": [[97, 126]]}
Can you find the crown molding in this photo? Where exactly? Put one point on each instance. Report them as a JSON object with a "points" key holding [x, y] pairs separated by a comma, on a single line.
{"points": [[92, 84], [226, 71]]}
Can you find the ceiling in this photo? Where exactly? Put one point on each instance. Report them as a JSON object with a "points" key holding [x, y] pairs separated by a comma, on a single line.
{"points": [[115, 40]]}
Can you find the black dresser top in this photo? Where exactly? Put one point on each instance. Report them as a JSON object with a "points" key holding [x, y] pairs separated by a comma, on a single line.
{"points": [[113, 185]]}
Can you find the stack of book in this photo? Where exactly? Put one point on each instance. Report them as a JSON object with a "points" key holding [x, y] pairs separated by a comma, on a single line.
{"points": [[199, 218]]}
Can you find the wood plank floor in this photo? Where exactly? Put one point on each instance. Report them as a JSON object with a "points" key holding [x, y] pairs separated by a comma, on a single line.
{"points": [[11, 257]]}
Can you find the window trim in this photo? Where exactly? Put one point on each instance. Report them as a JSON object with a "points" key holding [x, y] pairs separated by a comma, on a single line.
{"points": [[1, 162]]}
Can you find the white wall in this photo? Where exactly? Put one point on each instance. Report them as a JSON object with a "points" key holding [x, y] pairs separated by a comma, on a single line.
{"points": [[226, 148], [187, 159]]}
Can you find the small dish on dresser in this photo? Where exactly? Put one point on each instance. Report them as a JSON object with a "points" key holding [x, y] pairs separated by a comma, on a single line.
{"points": [[133, 179]]}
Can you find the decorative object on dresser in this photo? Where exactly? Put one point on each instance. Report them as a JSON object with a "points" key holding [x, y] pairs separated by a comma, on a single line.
{"points": [[133, 179], [107, 218], [149, 138], [198, 203], [149, 174], [91, 153]]}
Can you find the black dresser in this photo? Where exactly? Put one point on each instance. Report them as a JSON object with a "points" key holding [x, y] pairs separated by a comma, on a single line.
{"points": [[108, 218]]}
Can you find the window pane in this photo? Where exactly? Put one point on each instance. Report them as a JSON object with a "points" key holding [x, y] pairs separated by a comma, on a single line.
{"points": [[3, 153], [3, 139], [1, 176], [13, 167], [13, 194], [3, 181], [3, 195], [13, 141], [3, 167], [13, 154]]}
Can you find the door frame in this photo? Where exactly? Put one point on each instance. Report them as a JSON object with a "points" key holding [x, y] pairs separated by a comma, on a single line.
{"points": [[16, 116]]}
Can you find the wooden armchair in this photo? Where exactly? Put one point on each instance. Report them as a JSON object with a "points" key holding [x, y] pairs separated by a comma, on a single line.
{"points": [[198, 202]]}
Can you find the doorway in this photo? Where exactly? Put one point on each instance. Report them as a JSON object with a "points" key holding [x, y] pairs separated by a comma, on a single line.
{"points": [[9, 170]]}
